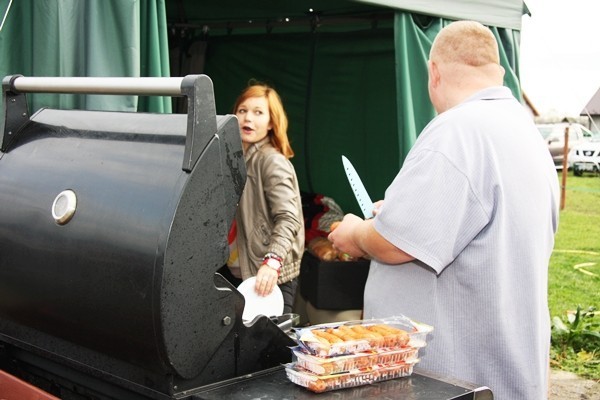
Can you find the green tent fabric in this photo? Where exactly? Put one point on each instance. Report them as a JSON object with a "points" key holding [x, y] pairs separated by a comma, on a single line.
{"points": [[352, 73], [86, 38], [414, 35], [359, 92], [338, 91]]}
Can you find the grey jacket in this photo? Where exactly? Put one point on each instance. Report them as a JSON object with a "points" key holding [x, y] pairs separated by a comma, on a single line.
{"points": [[269, 217]]}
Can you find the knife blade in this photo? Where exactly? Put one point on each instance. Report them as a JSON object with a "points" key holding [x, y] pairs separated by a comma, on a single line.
{"points": [[359, 190]]}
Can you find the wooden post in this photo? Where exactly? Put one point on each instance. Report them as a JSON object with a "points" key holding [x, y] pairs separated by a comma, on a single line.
{"points": [[565, 170]]}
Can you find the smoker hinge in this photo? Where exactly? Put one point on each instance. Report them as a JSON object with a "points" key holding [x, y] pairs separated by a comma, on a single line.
{"points": [[15, 113], [202, 117]]}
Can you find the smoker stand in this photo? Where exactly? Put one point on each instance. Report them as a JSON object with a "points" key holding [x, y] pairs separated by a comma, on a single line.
{"points": [[273, 384]]}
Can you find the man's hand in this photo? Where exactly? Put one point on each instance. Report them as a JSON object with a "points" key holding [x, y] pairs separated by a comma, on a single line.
{"points": [[343, 236], [358, 238], [377, 206]]}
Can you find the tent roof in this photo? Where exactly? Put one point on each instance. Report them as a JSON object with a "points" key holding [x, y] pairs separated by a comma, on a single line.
{"points": [[499, 13]]}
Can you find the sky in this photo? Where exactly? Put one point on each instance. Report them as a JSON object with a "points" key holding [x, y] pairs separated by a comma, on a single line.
{"points": [[560, 55]]}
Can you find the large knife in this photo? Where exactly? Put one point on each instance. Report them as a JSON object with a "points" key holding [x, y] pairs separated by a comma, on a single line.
{"points": [[361, 194]]}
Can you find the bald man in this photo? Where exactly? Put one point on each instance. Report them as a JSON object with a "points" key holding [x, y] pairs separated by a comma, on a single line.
{"points": [[463, 237]]}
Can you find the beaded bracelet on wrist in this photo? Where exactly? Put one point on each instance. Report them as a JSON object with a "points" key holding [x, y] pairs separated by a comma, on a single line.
{"points": [[273, 256], [273, 261]]}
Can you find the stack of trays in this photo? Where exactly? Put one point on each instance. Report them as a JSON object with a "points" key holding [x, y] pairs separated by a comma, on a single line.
{"points": [[353, 353]]}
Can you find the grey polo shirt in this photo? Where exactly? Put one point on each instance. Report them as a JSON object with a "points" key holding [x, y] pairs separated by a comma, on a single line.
{"points": [[476, 203]]}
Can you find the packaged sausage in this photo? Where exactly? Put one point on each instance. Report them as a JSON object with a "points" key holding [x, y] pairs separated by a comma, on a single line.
{"points": [[353, 353], [357, 377], [339, 364], [350, 337]]}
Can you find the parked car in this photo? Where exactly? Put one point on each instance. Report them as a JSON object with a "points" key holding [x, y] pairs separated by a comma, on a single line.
{"points": [[554, 135], [585, 157]]}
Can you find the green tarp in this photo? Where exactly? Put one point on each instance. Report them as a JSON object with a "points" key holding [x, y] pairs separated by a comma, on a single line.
{"points": [[361, 93], [86, 38], [352, 75], [338, 90]]}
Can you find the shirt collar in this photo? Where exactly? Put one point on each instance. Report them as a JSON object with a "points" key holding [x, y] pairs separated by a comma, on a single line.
{"points": [[491, 93]]}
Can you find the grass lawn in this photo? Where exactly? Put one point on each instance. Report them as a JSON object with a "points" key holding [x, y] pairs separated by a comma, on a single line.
{"points": [[575, 263], [574, 275]]}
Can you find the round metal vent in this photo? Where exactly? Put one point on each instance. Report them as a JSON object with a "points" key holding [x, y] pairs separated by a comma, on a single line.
{"points": [[64, 206]]}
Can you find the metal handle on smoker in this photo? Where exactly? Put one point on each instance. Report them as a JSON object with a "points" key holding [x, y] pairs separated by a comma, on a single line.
{"points": [[287, 321], [99, 85], [202, 113]]}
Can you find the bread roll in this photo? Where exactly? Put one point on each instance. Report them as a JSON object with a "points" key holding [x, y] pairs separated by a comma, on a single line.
{"points": [[323, 249]]}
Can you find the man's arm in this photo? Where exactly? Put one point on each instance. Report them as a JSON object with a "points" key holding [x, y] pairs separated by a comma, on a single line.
{"points": [[359, 238]]}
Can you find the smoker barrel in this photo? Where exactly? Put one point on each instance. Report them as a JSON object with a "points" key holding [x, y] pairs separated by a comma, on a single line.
{"points": [[112, 226]]}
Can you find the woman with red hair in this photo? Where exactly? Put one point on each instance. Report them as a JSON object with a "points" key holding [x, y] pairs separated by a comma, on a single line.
{"points": [[267, 239]]}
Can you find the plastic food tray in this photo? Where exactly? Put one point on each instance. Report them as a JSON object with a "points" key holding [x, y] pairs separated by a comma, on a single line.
{"points": [[417, 335], [365, 376], [335, 365]]}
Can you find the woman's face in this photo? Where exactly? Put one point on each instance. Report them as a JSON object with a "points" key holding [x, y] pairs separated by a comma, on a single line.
{"points": [[255, 121]]}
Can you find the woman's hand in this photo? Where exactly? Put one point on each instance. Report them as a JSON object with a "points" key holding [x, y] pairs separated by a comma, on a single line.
{"points": [[266, 279]]}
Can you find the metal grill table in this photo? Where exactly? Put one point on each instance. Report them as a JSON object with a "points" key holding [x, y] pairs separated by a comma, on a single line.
{"points": [[273, 384]]}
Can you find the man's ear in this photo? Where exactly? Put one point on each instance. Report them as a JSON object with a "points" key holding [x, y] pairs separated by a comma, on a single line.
{"points": [[434, 73]]}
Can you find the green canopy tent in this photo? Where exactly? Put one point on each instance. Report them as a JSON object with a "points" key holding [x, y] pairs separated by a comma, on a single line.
{"points": [[352, 74]]}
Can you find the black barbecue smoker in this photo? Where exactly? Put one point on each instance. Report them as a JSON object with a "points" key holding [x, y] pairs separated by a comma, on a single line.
{"points": [[112, 228], [112, 225]]}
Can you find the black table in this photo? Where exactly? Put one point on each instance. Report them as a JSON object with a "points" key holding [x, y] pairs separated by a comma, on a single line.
{"points": [[273, 384]]}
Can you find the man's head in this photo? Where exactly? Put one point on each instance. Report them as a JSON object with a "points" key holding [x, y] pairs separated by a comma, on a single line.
{"points": [[464, 59]]}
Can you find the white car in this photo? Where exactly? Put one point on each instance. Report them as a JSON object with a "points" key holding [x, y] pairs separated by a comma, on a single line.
{"points": [[554, 135], [585, 157]]}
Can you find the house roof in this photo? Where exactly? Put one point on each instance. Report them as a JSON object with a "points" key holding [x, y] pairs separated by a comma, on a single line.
{"points": [[593, 106]]}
